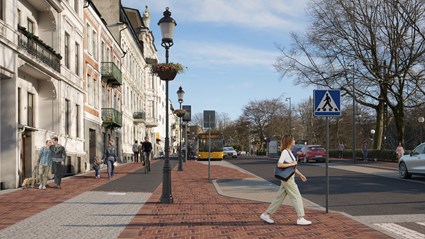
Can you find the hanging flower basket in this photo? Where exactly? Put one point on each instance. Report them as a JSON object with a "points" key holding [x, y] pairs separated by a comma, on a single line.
{"points": [[167, 71], [180, 113]]}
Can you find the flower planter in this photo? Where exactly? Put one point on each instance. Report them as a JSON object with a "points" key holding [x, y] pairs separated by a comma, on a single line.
{"points": [[180, 113], [167, 75]]}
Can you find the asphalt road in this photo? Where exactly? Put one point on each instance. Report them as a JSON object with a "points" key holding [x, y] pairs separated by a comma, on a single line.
{"points": [[357, 194]]}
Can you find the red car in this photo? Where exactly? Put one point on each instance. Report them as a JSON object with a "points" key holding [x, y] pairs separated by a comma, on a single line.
{"points": [[312, 152]]}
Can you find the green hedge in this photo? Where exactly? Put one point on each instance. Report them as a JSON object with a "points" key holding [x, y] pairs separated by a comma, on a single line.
{"points": [[380, 155]]}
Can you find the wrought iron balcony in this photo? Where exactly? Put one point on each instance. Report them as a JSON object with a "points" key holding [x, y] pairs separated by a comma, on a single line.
{"points": [[36, 47], [111, 117], [111, 73], [139, 117]]}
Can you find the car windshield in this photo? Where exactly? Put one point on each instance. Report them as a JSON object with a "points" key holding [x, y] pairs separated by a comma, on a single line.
{"points": [[316, 147], [228, 149]]}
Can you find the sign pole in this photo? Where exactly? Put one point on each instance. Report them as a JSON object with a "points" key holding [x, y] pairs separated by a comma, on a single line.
{"points": [[209, 150], [327, 103], [327, 164]]}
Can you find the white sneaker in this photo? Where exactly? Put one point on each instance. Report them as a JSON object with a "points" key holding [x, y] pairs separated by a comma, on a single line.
{"points": [[266, 217], [303, 222], [40, 187], [44, 187]]}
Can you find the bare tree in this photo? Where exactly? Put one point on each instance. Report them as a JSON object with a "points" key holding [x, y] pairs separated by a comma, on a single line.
{"points": [[260, 115], [373, 51]]}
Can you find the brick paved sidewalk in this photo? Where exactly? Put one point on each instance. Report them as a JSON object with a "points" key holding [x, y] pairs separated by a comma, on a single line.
{"points": [[199, 211], [23, 203]]}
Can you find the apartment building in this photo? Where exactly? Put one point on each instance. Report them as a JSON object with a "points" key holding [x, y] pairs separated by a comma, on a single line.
{"points": [[78, 70], [41, 84], [102, 84]]}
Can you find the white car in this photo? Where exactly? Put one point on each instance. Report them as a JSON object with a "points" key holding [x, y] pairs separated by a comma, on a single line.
{"points": [[229, 152], [413, 163]]}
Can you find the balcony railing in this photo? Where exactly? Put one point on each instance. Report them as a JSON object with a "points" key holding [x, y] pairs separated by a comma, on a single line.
{"points": [[139, 117], [36, 47], [111, 74], [111, 117]]}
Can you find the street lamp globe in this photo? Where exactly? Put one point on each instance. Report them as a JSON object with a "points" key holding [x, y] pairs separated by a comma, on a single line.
{"points": [[421, 119], [167, 24], [180, 94], [372, 131]]}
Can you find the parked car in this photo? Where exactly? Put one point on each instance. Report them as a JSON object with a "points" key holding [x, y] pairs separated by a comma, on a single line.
{"points": [[296, 148], [230, 152], [312, 152], [413, 163]]}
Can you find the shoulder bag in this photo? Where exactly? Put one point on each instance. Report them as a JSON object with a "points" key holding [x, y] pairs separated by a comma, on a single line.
{"points": [[284, 173]]}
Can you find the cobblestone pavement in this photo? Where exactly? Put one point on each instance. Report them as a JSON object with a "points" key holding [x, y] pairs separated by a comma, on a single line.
{"points": [[80, 210]]}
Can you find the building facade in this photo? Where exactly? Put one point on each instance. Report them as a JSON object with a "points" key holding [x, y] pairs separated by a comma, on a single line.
{"points": [[78, 70]]}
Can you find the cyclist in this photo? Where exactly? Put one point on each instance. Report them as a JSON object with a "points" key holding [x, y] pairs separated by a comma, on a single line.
{"points": [[146, 150]]}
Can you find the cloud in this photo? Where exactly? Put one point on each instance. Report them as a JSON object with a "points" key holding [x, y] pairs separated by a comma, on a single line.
{"points": [[259, 14]]}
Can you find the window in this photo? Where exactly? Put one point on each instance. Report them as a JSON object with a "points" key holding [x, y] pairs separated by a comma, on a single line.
{"points": [[77, 120], [19, 104], [77, 58], [87, 40], [102, 51], [1, 10], [76, 6], [89, 90], [94, 45], [19, 14], [30, 26], [67, 116], [66, 50], [30, 112], [95, 94]]}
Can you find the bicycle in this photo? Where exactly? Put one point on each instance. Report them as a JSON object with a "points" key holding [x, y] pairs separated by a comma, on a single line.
{"points": [[146, 162]]}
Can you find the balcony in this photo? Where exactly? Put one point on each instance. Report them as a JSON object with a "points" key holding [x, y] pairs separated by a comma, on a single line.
{"points": [[151, 122], [111, 74], [37, 48], [111, 118], [139, 117]]}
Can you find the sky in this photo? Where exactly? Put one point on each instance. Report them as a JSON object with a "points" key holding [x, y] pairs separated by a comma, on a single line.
{"points": [[229, 48]]}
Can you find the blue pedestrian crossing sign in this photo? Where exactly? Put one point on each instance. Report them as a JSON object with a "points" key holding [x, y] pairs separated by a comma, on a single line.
{"points": [[327, 102]]}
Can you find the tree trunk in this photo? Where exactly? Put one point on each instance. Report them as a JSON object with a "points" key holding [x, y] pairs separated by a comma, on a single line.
{"points": [[379, 128]]}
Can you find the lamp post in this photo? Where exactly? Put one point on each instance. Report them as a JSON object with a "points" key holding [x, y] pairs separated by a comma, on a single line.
{"points": [[167, 24], [290, 115], [354, 117], [180, 94], [421, 120], [372, 131]]}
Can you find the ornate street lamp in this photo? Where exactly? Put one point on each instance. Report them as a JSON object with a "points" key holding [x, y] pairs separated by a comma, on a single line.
{"points": [[167, 24], [180, 94]]}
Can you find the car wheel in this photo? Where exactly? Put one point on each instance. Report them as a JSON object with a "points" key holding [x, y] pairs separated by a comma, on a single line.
{"points": [[402, 171]]}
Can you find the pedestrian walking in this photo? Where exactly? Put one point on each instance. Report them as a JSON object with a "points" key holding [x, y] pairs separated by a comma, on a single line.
{"points": [[58, 160], [44, 163], [287, 188], [96, 166], [399, 151], [110, 157], [136, 151], [364, 151], [341, 147]]}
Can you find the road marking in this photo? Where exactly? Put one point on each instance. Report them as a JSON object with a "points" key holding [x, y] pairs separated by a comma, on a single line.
{"points": [[117, 194], [401, 231]]}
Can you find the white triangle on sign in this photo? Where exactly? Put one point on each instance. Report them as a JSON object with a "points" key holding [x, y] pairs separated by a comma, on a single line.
{"points": [[327, 104]]}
